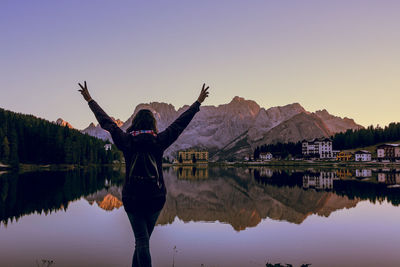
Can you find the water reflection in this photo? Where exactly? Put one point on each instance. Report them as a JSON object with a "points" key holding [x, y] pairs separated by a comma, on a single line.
{"points": [[319, 180], [241, 197], [46, 192], [192, 172], [374, 184]]}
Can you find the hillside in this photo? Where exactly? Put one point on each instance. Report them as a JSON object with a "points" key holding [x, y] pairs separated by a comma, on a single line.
{"points": [[28, 139]]}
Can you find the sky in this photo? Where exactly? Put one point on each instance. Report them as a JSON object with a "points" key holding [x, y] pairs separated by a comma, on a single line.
{"points": [[342, 56]]}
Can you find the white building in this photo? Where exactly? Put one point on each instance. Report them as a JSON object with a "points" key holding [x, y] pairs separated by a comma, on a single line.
{"points": [[362, 155], [107, 147], [380, 153], [388, 152], [265, 156], [319, 147]]}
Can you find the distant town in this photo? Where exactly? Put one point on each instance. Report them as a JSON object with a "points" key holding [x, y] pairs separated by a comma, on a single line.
{"points": [[318, 149]]}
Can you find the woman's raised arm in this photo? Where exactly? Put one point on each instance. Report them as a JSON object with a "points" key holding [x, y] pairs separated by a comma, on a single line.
{"points": [[119, 137], [169, 135]]}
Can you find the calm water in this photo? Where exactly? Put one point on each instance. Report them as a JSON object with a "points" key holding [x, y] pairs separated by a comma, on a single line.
{"points": [[215, 217]]}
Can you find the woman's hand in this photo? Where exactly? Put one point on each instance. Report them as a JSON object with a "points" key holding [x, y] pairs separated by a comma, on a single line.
{"points": [[203, 94], [85, 93]]}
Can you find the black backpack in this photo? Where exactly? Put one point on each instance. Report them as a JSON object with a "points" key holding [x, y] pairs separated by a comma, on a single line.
{"points": [[144, 169]]}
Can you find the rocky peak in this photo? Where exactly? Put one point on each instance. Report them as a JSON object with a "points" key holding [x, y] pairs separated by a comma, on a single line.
{"points": [[117, 121], [322, 113], [155, 107], [336, 124], [63, 123], [294, 108], [163, 112], [91, 125], [239, 105], [237, 99]]}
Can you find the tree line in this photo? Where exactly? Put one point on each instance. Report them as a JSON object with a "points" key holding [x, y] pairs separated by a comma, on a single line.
{"points": [[367, 136], [347, 140], [28, 139]]}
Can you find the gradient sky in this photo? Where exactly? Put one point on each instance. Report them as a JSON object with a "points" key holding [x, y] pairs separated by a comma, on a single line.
{"points": [[340, 55]]}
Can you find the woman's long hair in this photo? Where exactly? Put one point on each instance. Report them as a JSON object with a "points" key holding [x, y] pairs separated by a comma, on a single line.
{"points": [[144, 120]]}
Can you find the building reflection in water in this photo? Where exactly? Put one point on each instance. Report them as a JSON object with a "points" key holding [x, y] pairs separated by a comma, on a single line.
{"points": [[344, 173], [192, 172], [363, 173], [266, 172], [319, 180], [390, 177]]}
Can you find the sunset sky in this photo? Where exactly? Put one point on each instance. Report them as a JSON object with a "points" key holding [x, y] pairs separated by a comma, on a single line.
{"points": [[343, 56]]}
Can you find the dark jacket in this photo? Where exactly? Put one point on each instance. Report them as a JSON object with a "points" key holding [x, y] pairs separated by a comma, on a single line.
{"points": [[156, 145]]}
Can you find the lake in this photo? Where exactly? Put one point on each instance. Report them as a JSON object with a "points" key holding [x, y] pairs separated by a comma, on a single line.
{"points": [[217, 216]]}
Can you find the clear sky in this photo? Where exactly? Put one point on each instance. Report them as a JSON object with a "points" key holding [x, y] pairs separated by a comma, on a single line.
{"points": [[340, 55]]}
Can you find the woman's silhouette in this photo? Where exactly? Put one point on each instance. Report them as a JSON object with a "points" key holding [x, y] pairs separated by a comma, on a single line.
{"points": [[144, 191]]}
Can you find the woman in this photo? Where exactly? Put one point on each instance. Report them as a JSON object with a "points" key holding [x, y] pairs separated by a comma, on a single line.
{"points": [[144, 190]]}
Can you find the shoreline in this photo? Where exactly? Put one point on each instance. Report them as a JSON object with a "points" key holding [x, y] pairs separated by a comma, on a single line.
{"points": [[284, 163], [23, 167]]}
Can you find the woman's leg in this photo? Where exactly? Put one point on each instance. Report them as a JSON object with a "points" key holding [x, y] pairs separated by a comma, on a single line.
{"points": [[151, 220], [141, 256]]}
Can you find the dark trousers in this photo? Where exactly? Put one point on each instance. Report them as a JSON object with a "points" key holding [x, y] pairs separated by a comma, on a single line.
{"points": [[142, 224]]}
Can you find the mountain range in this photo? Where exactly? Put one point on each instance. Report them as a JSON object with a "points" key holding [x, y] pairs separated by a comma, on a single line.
{"points": [[233, 130]]}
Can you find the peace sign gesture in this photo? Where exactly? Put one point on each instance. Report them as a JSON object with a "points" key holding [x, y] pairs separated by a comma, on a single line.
{"points": [[203, 94], [85, 92]]}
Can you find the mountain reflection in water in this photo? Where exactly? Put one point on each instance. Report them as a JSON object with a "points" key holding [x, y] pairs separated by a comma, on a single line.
{"points": [[241, 197]]}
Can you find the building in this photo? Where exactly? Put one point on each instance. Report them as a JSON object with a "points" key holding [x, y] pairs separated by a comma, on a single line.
{"points": [[335, 153], [192, 156], [248, 158], [362, 155], [388, 152], [344, 156], [319, 147], [265, 156], [107, 147]]}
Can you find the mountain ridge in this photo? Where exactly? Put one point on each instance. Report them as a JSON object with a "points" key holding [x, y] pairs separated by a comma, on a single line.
{"points": [[238, 126]]}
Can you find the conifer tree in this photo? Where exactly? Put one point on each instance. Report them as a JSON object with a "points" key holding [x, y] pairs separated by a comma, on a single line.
{"points": [[5, 149]]}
